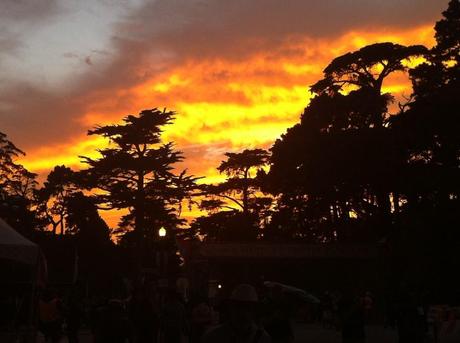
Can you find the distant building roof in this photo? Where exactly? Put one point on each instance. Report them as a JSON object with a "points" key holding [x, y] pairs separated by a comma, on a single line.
{"points": [[193, 249]]}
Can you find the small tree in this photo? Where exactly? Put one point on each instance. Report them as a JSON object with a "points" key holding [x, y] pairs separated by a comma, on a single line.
{"points": [[84, 221], [51, 199], [242, 185], [17, 186], [235, 206], [15, 180]]}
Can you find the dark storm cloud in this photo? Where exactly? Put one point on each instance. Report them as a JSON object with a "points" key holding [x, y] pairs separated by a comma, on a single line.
{"points": [[238, 27], [32, 116], [30, 11]]}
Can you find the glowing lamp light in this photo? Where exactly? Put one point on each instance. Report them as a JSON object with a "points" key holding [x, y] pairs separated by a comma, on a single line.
{"points": [[352, 214], [162, 232], [219, 286]]}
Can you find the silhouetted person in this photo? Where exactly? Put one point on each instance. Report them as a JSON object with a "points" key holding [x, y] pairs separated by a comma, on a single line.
{"points": [[144, 317], [111, 324], [50, 316], [74, 315], [241, 326], [351, 315], [201, 319], [174, 318], [327, 310], [367, 303], [410, 318], [277, 323]]}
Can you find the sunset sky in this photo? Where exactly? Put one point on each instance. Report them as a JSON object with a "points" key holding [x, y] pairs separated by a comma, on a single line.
{"points": [[236, 71]]}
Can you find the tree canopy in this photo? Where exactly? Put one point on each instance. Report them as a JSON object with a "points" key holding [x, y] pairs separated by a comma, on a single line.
{"points": [[136, 172]]}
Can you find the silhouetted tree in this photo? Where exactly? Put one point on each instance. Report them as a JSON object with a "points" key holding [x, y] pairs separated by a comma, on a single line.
{"points": [[84, 221], [17, 187], [430, 124], [15, 180], [448, 34], [226, 226], [94, 248], [341, 161], [428, 128], [51, 199], [8, 152], [136, 173], [366, 68], [242, 184], [236, 203]]}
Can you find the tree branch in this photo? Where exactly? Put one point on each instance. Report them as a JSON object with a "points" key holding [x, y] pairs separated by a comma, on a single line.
{"points": [[232, 199]]}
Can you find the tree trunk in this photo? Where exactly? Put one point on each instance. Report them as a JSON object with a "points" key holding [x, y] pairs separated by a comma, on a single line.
{"points": [[139, 223], [384, 208], [245, 193]]}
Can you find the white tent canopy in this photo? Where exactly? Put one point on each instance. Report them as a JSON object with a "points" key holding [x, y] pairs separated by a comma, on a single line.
{"points": [[14, 246]]}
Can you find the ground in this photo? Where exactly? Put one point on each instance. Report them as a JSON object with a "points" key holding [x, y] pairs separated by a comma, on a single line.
{"points": [[306, 333], [374, 334]]}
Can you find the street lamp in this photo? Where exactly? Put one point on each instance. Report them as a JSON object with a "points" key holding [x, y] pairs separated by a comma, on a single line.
{"points": [[162, 255]]}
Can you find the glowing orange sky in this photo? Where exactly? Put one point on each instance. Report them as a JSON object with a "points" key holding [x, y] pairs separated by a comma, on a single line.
{"points": [[223, 105]]}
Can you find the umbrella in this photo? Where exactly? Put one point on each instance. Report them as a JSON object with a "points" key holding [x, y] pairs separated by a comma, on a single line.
{"points": [[297, 292]]}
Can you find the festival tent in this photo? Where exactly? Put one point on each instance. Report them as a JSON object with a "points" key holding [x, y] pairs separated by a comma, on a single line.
{"points": [[15, 247], [22, 269]]}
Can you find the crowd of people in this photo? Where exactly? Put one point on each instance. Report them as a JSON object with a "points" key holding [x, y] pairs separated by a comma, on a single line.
{"points": [[148, 315], [246, 315], [408, 312]]}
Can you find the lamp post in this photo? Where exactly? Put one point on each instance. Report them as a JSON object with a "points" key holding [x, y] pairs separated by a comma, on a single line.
{"points": [[162, 255]]}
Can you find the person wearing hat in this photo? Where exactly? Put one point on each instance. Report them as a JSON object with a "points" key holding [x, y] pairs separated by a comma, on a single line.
{"points": [[241, 326]]}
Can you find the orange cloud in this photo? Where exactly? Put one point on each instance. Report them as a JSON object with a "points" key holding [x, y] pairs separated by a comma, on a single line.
{"points": [[225, 105], [241, 103], [45, 158]]}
